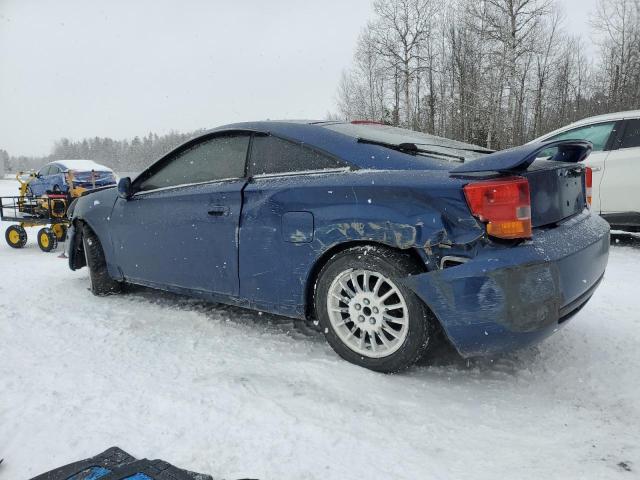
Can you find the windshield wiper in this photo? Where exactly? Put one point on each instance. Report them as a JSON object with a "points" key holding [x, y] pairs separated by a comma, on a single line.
{"points": [[409, 148], [475, 150]]}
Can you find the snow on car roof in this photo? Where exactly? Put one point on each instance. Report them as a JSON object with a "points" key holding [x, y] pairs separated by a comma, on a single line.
{"points": [[82, 165]]}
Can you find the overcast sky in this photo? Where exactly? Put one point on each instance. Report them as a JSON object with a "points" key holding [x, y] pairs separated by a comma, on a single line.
{"points": [[82, 68]]}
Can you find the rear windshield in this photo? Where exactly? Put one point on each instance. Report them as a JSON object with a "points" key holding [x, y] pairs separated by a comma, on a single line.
{"points": [[396, 136]]}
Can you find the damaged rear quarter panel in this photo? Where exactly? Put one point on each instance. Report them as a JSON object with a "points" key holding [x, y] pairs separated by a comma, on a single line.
{"points": [[395, 208]]}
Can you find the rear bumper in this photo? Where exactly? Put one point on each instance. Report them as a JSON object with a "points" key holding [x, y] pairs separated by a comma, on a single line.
{"points": [[508, 297]]}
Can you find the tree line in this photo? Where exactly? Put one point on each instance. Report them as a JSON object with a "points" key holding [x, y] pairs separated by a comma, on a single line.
{"points": [[491, 72], [120, 155]]}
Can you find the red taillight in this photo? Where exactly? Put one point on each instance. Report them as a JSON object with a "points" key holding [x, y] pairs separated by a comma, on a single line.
{"points": [[504, 205], [588, 183]]}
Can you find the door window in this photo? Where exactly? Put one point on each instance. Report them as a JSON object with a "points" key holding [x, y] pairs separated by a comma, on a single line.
{"points": [[217, 158], [44, 170], [631, 137], [275, 155], [598, 134]]}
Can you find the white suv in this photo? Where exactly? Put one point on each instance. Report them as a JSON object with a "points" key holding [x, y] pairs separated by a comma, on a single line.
{"points": [[615, 162]]}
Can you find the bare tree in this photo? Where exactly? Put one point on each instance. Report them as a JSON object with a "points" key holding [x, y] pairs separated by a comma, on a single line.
{"points": [[491, 72]]}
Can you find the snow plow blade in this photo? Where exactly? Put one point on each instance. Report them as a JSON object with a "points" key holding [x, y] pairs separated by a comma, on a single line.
{"points": [[116, 464], [519, 158]]}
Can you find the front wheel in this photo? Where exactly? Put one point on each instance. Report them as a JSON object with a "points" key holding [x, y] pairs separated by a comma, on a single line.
{"points": [[368, 316], [100, 283], [47, 240], [16, 236]]}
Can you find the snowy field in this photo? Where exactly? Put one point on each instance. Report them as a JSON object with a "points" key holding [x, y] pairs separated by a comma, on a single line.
{"points": [[237, 394]]}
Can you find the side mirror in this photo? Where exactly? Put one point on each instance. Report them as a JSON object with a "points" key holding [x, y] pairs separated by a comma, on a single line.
{"points": [[124, 188]]}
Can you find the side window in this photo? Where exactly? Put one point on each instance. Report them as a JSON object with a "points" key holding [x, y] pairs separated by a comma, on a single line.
{"points": [[274, 155], [53, 170], [217, 158], [598, 134], [44, 170], [631, 134]]}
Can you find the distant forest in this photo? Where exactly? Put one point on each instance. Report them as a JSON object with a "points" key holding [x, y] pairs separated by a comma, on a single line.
{"points": [[121, 155], [497, 73]]}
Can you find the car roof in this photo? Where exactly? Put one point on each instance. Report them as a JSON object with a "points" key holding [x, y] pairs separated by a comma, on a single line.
{"points": [[607, 117], [80, 165], [345, 145]]}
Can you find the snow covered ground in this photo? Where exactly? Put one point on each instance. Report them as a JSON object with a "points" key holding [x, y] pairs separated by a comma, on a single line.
{"points": [[237, 394]]}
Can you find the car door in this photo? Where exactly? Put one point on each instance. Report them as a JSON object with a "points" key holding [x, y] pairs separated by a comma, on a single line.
{"points": [[619, 187], [180, 228], [39, 185], [277, 223], [601, 135], [55, 179]]}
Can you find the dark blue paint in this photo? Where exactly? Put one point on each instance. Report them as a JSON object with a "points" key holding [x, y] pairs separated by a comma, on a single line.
{"points": [[262, 253], [46, 183]]}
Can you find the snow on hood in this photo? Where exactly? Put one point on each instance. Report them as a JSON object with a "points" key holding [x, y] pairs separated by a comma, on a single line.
{"points": [[82, 165]]}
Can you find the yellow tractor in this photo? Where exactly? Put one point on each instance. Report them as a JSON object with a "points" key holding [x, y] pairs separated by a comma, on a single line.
{"points": [[48, 211]]}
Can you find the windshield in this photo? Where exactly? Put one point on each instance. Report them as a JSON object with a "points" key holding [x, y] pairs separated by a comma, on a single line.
{"points": [[424, 141]]}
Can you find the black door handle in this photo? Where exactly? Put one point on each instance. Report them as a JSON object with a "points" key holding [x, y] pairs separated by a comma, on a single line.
{"points": [[218, 211]]}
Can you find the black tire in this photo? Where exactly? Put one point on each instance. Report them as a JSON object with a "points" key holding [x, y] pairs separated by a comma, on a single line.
{"points": [[393, 265], [16, 236], [56, 189], [47, 240], [100, 283]]}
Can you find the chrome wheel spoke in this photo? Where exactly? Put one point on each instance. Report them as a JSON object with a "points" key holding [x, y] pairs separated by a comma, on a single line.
{"points": [[377, 285], [365, 282], [391, 331], [388, 318], [387, 295], [354, 281], [384, 340], [362, 341], [374, 341], [340, 298], [347, 289], [340, 309], [395, 306]]}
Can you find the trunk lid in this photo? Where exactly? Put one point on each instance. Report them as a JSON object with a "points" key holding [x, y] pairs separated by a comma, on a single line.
{"points": [[556, 181], [557, 191]]}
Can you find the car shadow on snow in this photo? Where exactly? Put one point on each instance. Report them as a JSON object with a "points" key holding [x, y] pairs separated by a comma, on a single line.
{"points": [[441, 356], [264, 321]]}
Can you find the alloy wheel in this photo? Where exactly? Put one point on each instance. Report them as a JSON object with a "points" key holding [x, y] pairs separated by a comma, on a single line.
{"points": [[368, 313]]}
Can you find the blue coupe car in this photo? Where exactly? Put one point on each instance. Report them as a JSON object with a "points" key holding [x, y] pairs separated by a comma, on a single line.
{"points": [[69, 176], [384, 235]]}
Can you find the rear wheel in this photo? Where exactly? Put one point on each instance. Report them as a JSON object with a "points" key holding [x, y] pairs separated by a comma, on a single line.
{"points": [[47, 240], [368, 316], [100, 283], [16, 236]]}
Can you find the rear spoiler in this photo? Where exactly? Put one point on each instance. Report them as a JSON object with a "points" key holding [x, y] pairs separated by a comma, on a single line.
{"points": [[519, 158]]}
